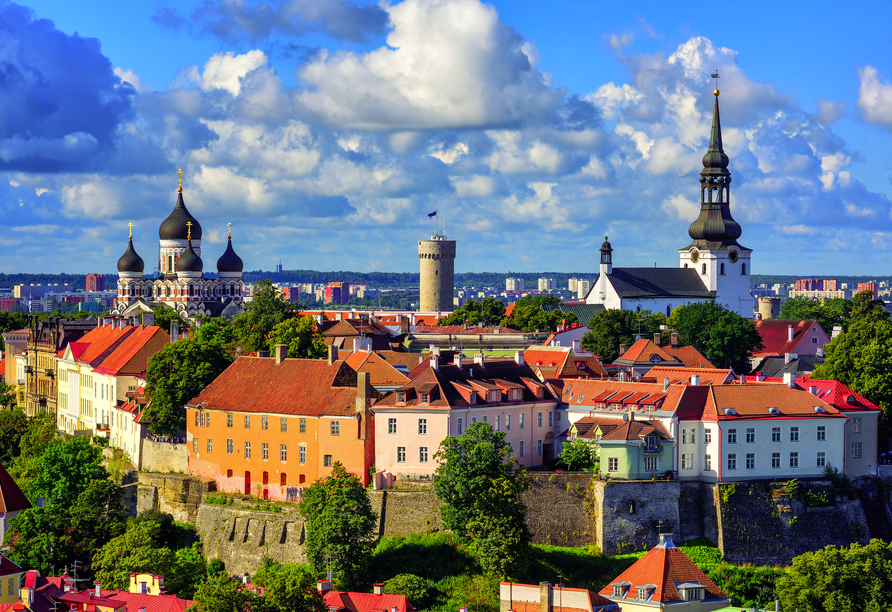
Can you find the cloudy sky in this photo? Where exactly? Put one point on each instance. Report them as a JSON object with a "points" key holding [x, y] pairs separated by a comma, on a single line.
{"points": [[326, 131]]}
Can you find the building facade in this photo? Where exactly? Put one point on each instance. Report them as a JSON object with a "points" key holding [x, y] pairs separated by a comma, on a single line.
{"points": [[46, 338]]}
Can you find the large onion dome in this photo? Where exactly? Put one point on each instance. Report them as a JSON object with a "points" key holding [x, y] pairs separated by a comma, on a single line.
{"points": [[229, 261], [175, 226], [130, 261], [189, 261]]}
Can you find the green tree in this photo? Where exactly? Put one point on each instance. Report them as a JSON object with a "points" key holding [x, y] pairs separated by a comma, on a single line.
{"points": [[138, 550], [176, 374], [418, 590], [217, 331], [97, 517], [865, 308], [488, 311], [223, 594], [165, 315], [64, 471], [37, 539], [612, 328], [288, 588], [828, 313], [578, 455], [302, 336], [528, 315], [724, 337], [480, 489], [7, 394], [854, 579], [189, 572], [340, 522], [13, 425], [265, 310]]}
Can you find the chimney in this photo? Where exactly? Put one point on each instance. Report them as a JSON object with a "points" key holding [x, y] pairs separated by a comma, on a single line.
{"points": [[837, 329], [98, 589], [666, 540], [246, 579], [404, 325], [478, 358], [657, 338], [323, 586], [281, 353], [673, 339], [379, 588], [435, 350], [332, 354], [174, 331], [695, 380], [789, 379], [665, 384], [760, 376], [622, 350], [435, 362], [790, 333], [813, 390], [577, 346], [788, 357], [412, 319], [357, 345], [544, 597], [458, 360], [518, 357]]}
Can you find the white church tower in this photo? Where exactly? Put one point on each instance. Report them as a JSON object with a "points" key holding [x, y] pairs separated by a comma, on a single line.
{"points": [[723, 264]]}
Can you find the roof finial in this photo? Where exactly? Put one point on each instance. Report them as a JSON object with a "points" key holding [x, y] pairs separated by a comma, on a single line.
{"points": [[229, 225], [189, 226], [715, 75], [130, 225], [180, 172]]}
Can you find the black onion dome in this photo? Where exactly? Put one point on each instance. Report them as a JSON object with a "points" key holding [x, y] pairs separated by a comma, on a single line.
{"points": [[189, 261], [175, 228], [229, 261], [130, 261]]}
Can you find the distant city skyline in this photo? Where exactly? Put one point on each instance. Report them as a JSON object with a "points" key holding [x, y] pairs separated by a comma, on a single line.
{"points": [[327, 135]]}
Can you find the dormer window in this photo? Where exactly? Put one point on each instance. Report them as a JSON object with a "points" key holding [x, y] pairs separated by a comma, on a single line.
{"points": [[492, 396], [424, 398], [642, 593], [400, 397]]}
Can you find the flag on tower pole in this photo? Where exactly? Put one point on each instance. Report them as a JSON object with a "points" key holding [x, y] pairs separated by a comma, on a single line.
{"points": [[432, 215]]}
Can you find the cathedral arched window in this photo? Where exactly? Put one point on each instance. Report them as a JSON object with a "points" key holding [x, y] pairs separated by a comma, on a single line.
{"points": [[721, 268], [704, 269], [668, 309], [743, 268], [686, 265]]}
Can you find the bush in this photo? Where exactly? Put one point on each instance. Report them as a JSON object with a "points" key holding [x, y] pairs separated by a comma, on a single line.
{"points": [[812, 499], [746, 585], [838, 479], [418, 590]]}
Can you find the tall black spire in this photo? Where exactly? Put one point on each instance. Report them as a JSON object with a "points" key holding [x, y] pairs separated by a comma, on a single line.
{"points": [[715, 227]]}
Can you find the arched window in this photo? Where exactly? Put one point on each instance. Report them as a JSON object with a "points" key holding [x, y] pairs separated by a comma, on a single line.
{"points": [[686, 265], [638, 308], [704, 269], [170, 263], [721, 268], [283, 479], [668, 309], [743, 268]]}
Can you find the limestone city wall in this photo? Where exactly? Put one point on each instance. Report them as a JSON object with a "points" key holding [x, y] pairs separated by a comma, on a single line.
{"points": [[163, 457]]}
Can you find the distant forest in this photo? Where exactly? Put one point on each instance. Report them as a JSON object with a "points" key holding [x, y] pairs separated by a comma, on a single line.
{"points": [[395, 279]]}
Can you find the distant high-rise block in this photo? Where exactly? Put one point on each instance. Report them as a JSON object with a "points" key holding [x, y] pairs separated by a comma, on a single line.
{"points": [[546, 284], [514, 284], [95, 282], [871, 287]]}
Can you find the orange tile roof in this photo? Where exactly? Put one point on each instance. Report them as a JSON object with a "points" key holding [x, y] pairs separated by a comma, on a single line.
{"points": [[566, 362], [589, 392], [100, 341], [664, 566], [635, 430], [379, 370], [688, 355], [132, 355], [642, 352], [713, 376], [753, 401]]}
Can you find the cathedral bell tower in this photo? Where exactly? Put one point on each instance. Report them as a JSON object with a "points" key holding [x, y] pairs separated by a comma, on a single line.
{"points": [[723, 264]]}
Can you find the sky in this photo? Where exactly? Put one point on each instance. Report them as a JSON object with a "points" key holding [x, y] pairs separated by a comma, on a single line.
{"points": [[325, 132]]}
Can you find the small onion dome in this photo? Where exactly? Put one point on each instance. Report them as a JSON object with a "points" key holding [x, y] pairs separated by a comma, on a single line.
{"points": [[189, 261], [130, 261], [175, 228], [229, 261]]}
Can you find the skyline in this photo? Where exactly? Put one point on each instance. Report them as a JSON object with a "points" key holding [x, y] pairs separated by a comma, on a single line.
{"points": [[299, 125]]}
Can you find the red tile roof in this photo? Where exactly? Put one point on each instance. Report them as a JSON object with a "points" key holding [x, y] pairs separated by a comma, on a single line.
{"points": [[366, 602], [566, 362], [665, 567], [635, 430], [7, 567], [380, 371], [100, 342], [708, 376], [754, 401], [689, 356], [151, 603], [774, 336], [132, 355], [11, 497], [838, 395], [644, 351]]}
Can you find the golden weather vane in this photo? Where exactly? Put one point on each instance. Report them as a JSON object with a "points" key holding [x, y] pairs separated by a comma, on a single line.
{"points": [[130, 225]]}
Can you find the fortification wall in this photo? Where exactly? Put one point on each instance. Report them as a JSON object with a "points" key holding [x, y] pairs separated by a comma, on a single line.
{"points": [[176, 494], [632, 514], [560, 509], [164, 457]]}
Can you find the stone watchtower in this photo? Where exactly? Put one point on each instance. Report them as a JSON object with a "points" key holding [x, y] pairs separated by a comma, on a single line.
{"points": [[437, 257]]}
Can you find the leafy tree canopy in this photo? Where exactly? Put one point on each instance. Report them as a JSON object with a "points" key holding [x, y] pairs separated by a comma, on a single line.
{"points": [[13, 425], [37, 539], [97, 516], [176, 374], [417, 590], [266, 310], [64, 471], [612, 328], [223, 594], [724, 337], [288, 588], [528, 316], [579, 455], [829, 313], [217, 331], [136, 550], [302, 336], [488, 311], [340, 521]]}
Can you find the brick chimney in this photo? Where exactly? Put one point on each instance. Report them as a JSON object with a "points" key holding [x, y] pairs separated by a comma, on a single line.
{"points": [[404, 325], [379, 588], [332, 354], [363, 403], [657, 338], [281, 353], [673, 340], [622, 350]]}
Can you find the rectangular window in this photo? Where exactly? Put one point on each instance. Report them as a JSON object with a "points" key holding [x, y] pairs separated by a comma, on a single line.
{"points": [[498, 422], [522, 420], [247, 421], [283, 424], [507, 422], [707, 462], [551, 418], [422, 427], [794, 434], [423, 399], [335, 428], [856, 425], [822, 459], [486, 418], [247, 450], [557, 417], [794, 460], [302, 453], [283, 452], [210, 445], [327, 461], [751, 461], [732, 461], [264, 449], [684, 437], [687, 461], [775, 434], [522, 451], [228, 420], [613, 464], [707, 436], [732, 436], [461, 423], [650, 464], [303, 426], [539, 447], [856, 450], [400, 397], [391, 425], [473, 420], [229, 446], [540, 419], [822, 433], [194, 445], [750, 435], [400, 454], [775, 461], [422, 454], [264, 423]]}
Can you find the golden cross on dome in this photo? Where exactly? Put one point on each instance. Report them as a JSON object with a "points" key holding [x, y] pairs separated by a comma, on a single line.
{"points": [[130, 225], [229, 225], [180, 172], [189, 235]]}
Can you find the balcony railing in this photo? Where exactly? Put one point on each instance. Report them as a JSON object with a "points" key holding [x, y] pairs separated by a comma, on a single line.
{"points": [[653, 449]]}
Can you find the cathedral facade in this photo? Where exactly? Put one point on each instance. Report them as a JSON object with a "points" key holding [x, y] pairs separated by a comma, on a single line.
{"points": [[181, 283], [713, 266]]}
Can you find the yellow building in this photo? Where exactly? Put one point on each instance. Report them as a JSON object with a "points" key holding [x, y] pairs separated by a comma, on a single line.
{"points": [[10, 580]]}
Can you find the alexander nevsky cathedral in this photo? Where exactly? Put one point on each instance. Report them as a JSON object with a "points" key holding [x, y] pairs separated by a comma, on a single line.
{"points": [[181, 284]]}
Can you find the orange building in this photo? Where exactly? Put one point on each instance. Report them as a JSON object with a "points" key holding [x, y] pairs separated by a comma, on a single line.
{"points": [[268, 426], [871, 287]]}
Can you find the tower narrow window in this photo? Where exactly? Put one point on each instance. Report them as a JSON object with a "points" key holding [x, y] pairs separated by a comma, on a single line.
{"points": [[743, 269], [704, 269], [721, 268]]}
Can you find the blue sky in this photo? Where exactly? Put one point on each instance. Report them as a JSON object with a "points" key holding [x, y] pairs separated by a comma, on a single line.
{"points": [[325, 132]]}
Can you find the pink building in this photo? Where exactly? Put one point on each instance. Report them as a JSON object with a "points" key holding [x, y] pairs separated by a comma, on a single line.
{"points": [[443, 400], [794, 337]]}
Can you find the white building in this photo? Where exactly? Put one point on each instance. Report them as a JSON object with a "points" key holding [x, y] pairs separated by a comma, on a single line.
{"points": [[546, 284], [583, 288], [514, 284]]}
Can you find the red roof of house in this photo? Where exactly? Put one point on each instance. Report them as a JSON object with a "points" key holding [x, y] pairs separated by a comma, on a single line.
{"points": [[708, 376], [757, 401], [151, 603], [644, 351], [380, 371], [45, 589], [664, 567], [565, 361], [838, 395], [691, 357], [11, 497], [774, 336], [366, 602], [132, 355], [99, 341], [7, 567]]}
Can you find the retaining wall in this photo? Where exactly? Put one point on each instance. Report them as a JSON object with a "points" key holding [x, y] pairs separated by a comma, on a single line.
{"points": [[632, 514], [176, 494], [163, 457]]}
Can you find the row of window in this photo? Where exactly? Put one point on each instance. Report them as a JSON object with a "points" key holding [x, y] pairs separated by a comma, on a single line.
{"points": [[203, 419], [264, 450], [424, 454], [689, 436], [687, 459]]}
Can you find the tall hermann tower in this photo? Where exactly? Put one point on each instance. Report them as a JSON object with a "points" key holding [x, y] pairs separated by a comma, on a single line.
{"points": [[437, 257], [723, 264]]}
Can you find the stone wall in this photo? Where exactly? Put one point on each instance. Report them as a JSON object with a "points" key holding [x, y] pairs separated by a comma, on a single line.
{"points": [[402, 513], [560, 509], [176, 494], [631, 514], [163, 457]]}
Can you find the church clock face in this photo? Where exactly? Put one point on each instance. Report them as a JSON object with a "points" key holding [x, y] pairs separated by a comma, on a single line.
{"points": [[695, 256], [732, 255]]}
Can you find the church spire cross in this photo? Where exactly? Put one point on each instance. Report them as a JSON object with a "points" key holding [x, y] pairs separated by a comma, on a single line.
{"points": [[189, 234], [130, 225], [180, 182], [229, 225]]}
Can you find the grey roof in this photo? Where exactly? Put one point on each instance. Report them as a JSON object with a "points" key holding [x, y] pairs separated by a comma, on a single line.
{"points": [[657, 282], [583, 312], [775, 366]]}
